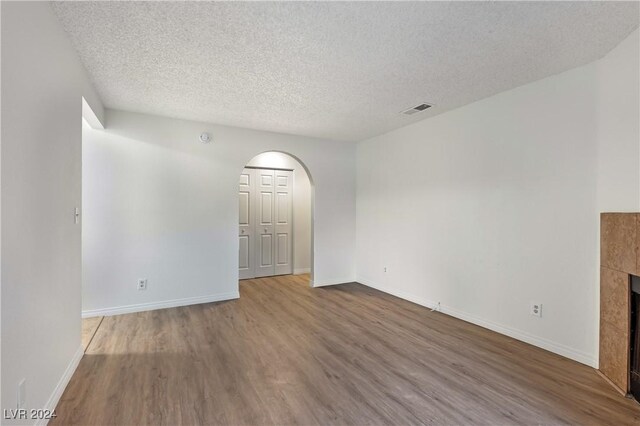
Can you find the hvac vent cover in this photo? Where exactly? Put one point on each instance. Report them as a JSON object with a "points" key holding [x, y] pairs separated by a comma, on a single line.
{"points": [[417, 109]]}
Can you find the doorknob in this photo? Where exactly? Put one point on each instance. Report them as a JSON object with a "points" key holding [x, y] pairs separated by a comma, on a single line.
{"points": [[265, 230], [243, 231]]}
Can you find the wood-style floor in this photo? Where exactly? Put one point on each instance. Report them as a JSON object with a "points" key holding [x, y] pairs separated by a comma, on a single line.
{"points": [[287, 354], [89, 328]]}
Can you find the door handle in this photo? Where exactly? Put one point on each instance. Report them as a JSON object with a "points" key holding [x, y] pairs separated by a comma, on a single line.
{"points": [[243, 231], [265, 230]]}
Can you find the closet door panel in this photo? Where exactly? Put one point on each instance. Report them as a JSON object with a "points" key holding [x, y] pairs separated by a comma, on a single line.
{"points": [[265, 228], [283, 221], [246, 216]]}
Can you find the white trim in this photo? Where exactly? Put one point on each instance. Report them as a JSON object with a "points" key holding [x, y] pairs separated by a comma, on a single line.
{"points": [[62, 384], [141, 307], [335, 281], [300, 271], [557, 348]]}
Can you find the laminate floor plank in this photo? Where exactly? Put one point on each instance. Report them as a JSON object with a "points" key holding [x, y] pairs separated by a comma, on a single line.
{"points": [[286, 354], [89, 328]]}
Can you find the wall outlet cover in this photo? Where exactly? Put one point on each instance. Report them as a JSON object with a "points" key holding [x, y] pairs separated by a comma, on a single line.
{"points": [[536, 309], [142, 284], [22, 394]]}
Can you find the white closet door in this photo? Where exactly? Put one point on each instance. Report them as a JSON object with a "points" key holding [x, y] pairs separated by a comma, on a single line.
{"points": [[266, 231], [283, 227], [246, 195], [265, 256]]}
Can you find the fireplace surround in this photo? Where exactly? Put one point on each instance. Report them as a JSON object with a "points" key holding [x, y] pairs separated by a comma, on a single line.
{"points": [[619, 272], [634, 349]]}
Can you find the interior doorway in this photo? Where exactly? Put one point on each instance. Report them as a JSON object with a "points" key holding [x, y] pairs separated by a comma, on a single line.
{"points": [[90, 324], [275, 226]]}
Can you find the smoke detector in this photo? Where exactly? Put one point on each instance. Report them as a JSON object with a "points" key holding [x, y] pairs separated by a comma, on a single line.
{"points": [[416, 109]]}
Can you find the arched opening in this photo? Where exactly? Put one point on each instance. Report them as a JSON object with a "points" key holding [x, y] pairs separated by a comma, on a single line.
{"points": [[275, 218]]}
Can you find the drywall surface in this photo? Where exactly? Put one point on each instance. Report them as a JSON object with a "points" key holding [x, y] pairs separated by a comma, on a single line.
{"points": [[495, 205], [43, 84], [301, 205], [618, 112], [159, 204]]}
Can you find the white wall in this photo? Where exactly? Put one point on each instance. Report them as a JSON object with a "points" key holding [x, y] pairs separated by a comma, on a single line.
{"points": [[301, 205], [42, 87], [496, 204], [618, 112], [158, 204]]}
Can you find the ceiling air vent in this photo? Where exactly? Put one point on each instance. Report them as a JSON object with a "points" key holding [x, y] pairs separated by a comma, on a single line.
{"points": [[417, 109]]}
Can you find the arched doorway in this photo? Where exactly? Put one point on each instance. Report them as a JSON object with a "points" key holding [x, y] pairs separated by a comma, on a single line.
{"points": [[275, 226]]}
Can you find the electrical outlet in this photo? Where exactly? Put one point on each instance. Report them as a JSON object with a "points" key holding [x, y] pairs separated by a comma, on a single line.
{"points": [[536, 309], [142, 284], [22, 394]]}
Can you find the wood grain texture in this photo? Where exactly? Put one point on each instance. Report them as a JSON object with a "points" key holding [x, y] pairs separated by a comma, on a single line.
{"points": [[89, 327], [285, 353]]}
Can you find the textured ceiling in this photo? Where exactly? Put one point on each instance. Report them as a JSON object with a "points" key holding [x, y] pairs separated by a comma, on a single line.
{"points": [[333, 70]]}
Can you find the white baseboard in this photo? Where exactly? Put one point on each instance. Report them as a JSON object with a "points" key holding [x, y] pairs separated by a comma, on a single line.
{"points": [[62, 384], [557, 348], [301, 271], [336, 281], [141, 307]]}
